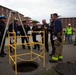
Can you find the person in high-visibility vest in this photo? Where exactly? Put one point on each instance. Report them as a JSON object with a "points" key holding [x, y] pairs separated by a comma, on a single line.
{"points": [[69, 33], [65, 32], [75, 37]]}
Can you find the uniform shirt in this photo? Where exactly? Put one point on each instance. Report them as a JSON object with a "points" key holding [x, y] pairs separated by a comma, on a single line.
{"points": [[35, 28], [69, 30], [10, 29], [46, 30], [57, 26], [51, 28], [27, 28], [2, 28]]}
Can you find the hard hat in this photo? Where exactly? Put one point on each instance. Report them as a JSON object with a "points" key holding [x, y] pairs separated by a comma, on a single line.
{"points": [[69, 24]]}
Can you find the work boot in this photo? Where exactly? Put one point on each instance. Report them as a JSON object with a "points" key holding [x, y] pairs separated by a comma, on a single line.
{"points": [[4, 53], [60, 58], [51, 54], [1, 55], [54, 59]]}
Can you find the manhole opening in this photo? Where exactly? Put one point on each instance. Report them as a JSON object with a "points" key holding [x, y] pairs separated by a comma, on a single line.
{"points": [[26, 66]]}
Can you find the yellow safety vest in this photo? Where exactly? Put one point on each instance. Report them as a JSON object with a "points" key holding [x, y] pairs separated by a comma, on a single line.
{"points": [[69, 30], [65, 31]]}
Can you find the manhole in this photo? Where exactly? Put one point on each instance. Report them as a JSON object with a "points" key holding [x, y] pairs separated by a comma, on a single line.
{"points": [[66, 68], [26, 66]]}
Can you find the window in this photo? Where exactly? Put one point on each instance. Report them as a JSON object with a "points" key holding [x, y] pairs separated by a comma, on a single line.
{"points": [[7, 15], [7, 10], [3, 14], [2, 9]]}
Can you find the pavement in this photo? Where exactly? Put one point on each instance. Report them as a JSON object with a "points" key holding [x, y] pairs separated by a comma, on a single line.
{"points": [[69, 54]]}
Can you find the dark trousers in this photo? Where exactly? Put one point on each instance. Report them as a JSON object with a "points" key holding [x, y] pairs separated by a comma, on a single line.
{"points": [[12, 42], [2, 49], [52, 44], [46, 42], [34, 40], [23, 41], [75, 40]]}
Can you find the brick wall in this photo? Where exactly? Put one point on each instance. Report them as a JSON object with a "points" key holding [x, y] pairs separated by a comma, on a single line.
{"points": [[5, 11], [66, 20]]}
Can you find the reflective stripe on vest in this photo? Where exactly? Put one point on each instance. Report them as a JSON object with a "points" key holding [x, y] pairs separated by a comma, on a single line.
{"points": [[66, 31]]}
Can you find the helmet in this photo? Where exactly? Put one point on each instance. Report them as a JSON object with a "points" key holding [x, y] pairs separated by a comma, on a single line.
{"points": [[69, 24]]}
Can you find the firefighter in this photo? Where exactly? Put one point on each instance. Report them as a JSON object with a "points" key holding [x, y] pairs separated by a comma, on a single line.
{"points": [[2, 29], [45, 27], [65, 32], [57, 37], [35, 28], [51, 35], [13, 27], [75, 37], [22, 33]]}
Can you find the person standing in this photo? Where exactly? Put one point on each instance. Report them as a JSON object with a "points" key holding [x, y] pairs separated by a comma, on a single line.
{"points": [[22, 33], [75, 37], [13, 27], [51, 37], [65, 33], [2, 29], [35, 28], [69, 33], [45, 27], [57, 37]]}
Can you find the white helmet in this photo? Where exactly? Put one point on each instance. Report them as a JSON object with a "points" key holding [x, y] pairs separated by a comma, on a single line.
{"points": [[69, 24]]}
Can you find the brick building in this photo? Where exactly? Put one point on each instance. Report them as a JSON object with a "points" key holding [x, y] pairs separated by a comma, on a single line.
{"points": [[28, 20], [5, 11], [67, 20]]}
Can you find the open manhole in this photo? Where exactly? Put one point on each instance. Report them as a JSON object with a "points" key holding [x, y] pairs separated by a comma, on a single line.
{"points": [[26, 66]]}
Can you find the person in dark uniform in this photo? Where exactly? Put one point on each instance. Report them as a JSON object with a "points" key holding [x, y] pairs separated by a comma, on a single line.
{"points": [[45, 27], [58, 39], [13, 27], [2, 29], [51, 37], [27, 28], [35, 28]]}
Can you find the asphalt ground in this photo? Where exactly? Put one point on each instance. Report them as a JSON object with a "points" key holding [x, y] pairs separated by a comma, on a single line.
{"points": [[69, 54]]}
